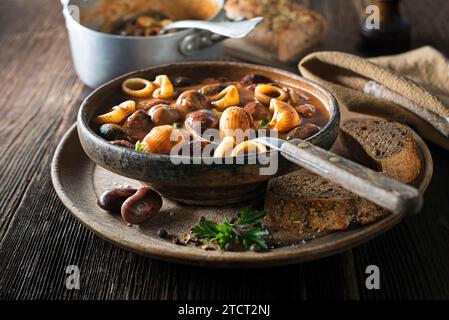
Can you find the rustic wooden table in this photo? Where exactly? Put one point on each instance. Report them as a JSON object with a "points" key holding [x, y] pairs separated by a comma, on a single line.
{"points": [[39, 98]]}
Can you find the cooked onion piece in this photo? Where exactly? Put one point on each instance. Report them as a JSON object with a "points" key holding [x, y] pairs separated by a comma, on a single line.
{"points": [[164, 87], [118, 113], [233, 119], [285, 117], [138, 87], [265, 92], [228, 97], [247, 147], [225, 148], [159, 141]]}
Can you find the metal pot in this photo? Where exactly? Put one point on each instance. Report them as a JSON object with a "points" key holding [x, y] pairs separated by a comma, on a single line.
{"points": [[99, 57]]}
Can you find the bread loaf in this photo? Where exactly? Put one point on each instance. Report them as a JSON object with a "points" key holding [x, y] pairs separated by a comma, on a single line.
{"points": [[289, 29], [303, 201]]}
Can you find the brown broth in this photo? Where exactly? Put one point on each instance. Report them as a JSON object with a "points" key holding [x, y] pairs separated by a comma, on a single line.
{"points": [[319, 117]]}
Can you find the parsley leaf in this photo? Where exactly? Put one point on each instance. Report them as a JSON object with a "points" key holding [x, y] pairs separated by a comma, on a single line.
{"points": [[247, 230], [255, 236], [264, 123], [139, 146], [247, 216]]}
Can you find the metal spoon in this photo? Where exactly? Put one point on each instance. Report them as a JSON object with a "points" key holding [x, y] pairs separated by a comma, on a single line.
{"points": [[230, 29]]}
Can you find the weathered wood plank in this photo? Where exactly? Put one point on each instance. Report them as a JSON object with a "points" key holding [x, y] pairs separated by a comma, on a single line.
{"points": [[38, 87]]}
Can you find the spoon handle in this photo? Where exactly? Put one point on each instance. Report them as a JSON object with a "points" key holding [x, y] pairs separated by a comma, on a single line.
{"points": [[230, 29], [386, 192]]}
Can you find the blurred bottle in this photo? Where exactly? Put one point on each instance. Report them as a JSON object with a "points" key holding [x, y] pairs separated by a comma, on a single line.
{"points": [[384, 30]]}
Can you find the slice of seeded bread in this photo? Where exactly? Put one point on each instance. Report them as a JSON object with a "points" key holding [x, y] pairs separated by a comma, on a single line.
{"points": [[303, 202], [382, 145]]}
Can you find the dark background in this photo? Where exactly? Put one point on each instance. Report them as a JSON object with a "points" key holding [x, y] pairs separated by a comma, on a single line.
{"points": [[39, 98]]}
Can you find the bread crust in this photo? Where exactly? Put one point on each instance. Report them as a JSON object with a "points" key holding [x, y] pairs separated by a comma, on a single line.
{"points": [[404, 165]]}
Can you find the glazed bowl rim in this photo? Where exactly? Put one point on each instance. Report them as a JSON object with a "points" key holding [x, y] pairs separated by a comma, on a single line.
{"points": [[83, 123]]}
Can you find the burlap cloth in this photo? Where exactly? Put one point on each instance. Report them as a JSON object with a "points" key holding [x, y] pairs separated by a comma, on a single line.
{"points": [[411, 88]]}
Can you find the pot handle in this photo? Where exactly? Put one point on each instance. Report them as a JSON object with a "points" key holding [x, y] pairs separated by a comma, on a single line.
{"points": [[202, 39], [197, 41]]}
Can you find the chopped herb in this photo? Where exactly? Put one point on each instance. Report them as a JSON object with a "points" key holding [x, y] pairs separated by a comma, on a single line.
{"points": [[265, 123], [247, 230], [139, 146], [176, 125]]}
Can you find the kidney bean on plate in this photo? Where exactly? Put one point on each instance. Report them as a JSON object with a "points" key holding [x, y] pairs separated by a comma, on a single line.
{"points": [[112, 200], [141, 206]]}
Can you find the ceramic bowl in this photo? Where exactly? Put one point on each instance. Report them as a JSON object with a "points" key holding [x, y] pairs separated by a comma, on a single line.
{"points": [[198, 184]]}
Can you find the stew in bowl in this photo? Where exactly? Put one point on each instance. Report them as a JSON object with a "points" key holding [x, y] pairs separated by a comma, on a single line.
{"points": [[219, 115], [145, 124]]}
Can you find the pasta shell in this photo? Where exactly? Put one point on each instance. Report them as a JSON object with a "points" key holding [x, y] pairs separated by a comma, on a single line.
{"points": [[265, 92], [166, 22], [118, 113], [138, 87], [159, 141], [164, 86], [247, 147], [228, 97], [225, 148], [232, 119], [285, 117], [145, 21]]}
